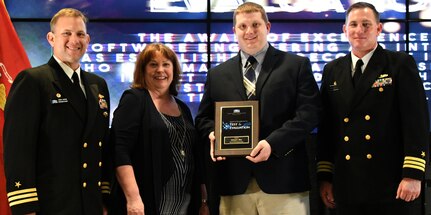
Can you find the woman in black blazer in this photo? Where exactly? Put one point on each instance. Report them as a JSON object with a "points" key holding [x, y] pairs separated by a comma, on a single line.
{"points": [[156, 156]]}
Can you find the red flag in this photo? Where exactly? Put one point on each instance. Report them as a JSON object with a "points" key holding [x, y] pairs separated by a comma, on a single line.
{"points": [[13, 59]]}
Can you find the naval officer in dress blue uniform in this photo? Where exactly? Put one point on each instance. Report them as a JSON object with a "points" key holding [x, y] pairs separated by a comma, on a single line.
{"points": [[373, 138], [56, 129]]}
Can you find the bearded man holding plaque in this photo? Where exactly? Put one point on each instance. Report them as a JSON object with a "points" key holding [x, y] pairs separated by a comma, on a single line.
{"points": [[274, 177]]}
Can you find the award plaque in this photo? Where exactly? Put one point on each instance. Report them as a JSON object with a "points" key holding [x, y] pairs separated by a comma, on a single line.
{"points": [[236, 128]]}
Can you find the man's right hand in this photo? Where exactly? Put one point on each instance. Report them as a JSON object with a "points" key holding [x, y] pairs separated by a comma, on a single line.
{"points": [[327, 194], [211, 136]]}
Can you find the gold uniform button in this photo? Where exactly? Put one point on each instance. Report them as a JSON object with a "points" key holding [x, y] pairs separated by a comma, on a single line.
{"points": [[346, 138], [85, 145], [369, 156], [105, 114], [367, 137], [99, 183], [100, 163], [84, 185], [58, 95], [367, 117], [381, 89], [346, 120], [84, 165], [100, 143], [347, 157]]}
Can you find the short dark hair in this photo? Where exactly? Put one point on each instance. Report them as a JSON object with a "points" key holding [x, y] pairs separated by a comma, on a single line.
{"points": [[146, 56], [360, 5]]}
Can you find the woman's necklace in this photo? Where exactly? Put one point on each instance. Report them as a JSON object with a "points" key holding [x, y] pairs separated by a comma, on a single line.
{"points": [[182, 139]]}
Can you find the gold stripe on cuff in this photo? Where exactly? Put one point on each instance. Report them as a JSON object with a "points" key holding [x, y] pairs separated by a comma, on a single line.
{"points": [[23, 201], [21, 191], [414, 159], [414, 167], [23, 196]]}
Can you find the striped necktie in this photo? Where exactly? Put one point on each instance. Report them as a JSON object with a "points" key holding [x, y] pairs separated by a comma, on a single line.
{"points": [[250, 78]]}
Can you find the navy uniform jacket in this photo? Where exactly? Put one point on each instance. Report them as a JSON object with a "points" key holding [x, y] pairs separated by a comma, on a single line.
{"points": [[372, 136], [53, 149], [289, 106]]}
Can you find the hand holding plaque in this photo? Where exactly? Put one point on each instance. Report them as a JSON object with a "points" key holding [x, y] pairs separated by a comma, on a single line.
{"points": [[236, 128]]}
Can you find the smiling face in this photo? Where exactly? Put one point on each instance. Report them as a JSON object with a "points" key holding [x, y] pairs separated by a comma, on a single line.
{"points": [[69, 40], [362, 30], [251, 31], [159, 73]]}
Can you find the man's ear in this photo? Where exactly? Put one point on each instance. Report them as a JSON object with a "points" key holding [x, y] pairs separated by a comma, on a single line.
{"points": [[50, 37], [379, 28], [88, 38]]}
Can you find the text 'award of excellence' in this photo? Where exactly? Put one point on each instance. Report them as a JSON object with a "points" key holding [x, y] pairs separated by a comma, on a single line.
{"points": [[236, 128]]}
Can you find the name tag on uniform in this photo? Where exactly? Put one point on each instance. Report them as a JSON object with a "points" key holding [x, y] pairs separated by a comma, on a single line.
{"points": [[59, 99]]}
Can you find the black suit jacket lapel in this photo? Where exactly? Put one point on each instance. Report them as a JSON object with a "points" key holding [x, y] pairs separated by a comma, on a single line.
{"points": [[373, 69], [267, 67], [63, 83], [236, 76]]}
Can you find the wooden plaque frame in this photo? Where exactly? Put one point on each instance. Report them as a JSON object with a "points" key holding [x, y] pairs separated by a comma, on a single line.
{"points": [[236, 128]]}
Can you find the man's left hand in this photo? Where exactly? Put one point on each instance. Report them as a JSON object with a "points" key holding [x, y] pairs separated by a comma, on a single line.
{"points": [[260, 153], [409, 189]]}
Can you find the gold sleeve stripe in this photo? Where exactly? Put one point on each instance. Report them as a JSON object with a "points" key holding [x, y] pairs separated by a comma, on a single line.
{"points": [[324, 170], [324, 162], [325, 166], [106, 191], [23, 196], [105, 183], [29, 190], [414, 163], [23, 201], [105, 188], [414, 167], [410, 158]]}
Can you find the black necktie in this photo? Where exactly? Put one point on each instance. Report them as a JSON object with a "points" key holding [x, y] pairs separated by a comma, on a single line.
{"points": [[358, 72], [250, 77], [78, 94], [75, 79], [76, 84]]}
